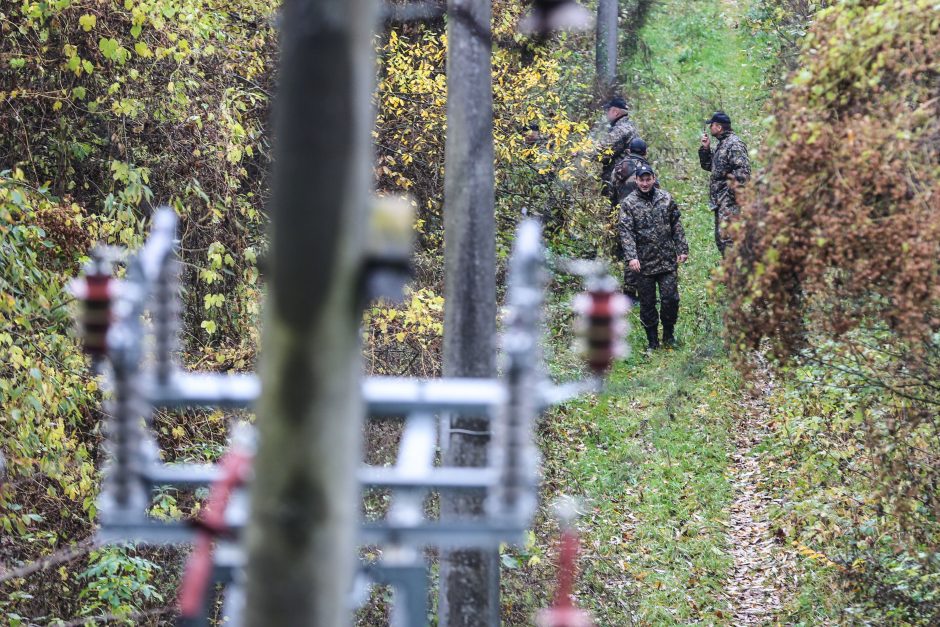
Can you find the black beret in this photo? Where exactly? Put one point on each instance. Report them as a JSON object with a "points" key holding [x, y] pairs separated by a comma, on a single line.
{"points": [[638, 146]]}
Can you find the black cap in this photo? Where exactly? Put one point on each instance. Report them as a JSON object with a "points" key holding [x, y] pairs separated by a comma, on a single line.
{"points": [[643, 169], [618, 102], [638, 146], [720, 117]]}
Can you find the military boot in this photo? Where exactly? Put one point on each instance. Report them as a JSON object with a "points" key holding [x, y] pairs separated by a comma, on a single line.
{"points": [[652, 336], [669, 338]]}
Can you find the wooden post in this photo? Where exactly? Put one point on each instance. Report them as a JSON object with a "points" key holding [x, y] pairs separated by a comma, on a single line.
{"points": [[302, 530], [469, 579], [606, 46]]}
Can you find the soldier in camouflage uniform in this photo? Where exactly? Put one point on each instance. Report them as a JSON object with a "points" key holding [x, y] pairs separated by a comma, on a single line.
{"points": [[730, 167], [623, 180], [624, 177], [654, 243], [613, 149]]}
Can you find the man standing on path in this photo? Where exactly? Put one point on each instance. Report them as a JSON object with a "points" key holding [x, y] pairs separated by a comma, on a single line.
{"points": [[624, 176], [654, 243], [614, 147], [623, 180], [730, 167]]}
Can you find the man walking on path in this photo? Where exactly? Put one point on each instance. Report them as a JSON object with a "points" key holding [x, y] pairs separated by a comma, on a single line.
{"points": [[650, 230], [730, 167], [614, 147]]}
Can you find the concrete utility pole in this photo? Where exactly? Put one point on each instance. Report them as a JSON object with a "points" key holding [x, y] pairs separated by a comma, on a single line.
{"points": [[469, 579], [301, 537], [608, 12]]}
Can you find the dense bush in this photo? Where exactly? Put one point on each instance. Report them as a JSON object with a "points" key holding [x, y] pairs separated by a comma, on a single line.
{"points": [[120, 106], [842, 225], [109, 109], [839, 268]]}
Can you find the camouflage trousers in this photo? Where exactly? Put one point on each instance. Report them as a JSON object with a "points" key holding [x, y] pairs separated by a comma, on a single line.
{"points": [[723, 214], [668, 284]]}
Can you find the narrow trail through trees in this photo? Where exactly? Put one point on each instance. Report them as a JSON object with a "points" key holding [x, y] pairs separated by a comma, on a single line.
{"points": [[676, 527], [703, 548]]}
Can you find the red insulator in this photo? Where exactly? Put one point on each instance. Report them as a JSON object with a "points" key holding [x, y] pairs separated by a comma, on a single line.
{"points": [[95, 290], [601, 326]]}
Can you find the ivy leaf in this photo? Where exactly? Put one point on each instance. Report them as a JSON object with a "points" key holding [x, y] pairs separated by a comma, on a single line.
{"points": [[209, 326], [109, 47], [143, 50], [87, 22], [508, 561]]}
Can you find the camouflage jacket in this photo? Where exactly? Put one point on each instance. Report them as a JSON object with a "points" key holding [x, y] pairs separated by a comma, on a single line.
{"points": [[650, 230], [619, 135], [729, 160]]}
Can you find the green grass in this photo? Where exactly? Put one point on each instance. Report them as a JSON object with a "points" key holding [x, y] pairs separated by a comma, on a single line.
{"points": [[650, 459], [650, 456]]}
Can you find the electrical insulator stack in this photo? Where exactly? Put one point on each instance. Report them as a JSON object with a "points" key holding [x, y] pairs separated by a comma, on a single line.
{"points": [[601, 326], [564, 612], [95, 291]]}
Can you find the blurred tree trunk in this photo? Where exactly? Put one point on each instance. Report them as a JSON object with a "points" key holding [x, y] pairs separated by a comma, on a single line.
{"points": [[606, 46], [302, 531], [469, 579]]}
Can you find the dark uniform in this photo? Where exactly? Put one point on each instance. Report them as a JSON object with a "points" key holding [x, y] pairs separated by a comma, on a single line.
{"points": [[621, 133], [624, 182], [728, 161], [651, 231]]}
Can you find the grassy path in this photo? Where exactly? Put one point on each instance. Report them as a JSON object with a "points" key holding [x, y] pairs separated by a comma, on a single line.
{"points": [[652, 457]]}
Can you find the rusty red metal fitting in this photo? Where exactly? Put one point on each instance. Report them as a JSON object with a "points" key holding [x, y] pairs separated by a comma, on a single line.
{"points": [[235, 467]]}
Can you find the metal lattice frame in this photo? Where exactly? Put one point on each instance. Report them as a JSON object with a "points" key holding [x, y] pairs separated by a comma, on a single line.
{"points": [[512, 403]]}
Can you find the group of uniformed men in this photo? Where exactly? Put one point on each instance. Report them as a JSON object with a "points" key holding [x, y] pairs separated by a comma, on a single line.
{"points": [[649, 225]]}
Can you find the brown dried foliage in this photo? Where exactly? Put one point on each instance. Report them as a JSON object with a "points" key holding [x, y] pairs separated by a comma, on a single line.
{"points": [[842, 227], [838, 269]]}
